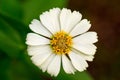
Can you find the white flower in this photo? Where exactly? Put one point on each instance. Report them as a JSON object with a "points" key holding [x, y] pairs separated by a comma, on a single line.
{"points": [[61, 37]]}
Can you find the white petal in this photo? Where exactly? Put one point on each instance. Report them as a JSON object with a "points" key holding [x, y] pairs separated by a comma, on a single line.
{"points": [[67, 65], [68, 20], [88, 49], [86, 57], [35, 39], [38, 59], [54, 67], [65, 13], [37, 27], [51, 20], [86, 38], [45, 65], [81, 27], [78, 62], [33, 50]]}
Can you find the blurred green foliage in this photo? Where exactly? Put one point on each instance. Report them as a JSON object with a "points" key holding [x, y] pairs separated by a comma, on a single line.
{"points": [[15, 64]]}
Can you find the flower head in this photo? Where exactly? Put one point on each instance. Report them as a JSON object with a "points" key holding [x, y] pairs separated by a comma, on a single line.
{"points": [[61, 37]]}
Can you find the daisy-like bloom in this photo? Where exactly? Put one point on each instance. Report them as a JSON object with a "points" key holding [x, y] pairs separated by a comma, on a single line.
{"points": [[61, 38]]}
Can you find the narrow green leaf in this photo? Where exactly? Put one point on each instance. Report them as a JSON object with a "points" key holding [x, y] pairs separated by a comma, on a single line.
{"points": [[10, 41], [11, 8], [17, 25]]}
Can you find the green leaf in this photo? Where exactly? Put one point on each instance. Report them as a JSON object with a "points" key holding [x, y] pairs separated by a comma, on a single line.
{"points": [[77, 76], [10, 41], [33, 8], [17, 25], [11, 8]]}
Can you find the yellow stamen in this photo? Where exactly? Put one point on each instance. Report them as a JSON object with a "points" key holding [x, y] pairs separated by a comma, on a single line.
{"points": [[61, 43]]}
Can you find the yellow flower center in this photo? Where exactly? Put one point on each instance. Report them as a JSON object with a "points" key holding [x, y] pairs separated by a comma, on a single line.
{"points": [[61, 43]]}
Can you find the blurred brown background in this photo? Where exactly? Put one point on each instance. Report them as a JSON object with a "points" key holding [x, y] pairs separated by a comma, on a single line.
{"points": [[105, 19]]}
